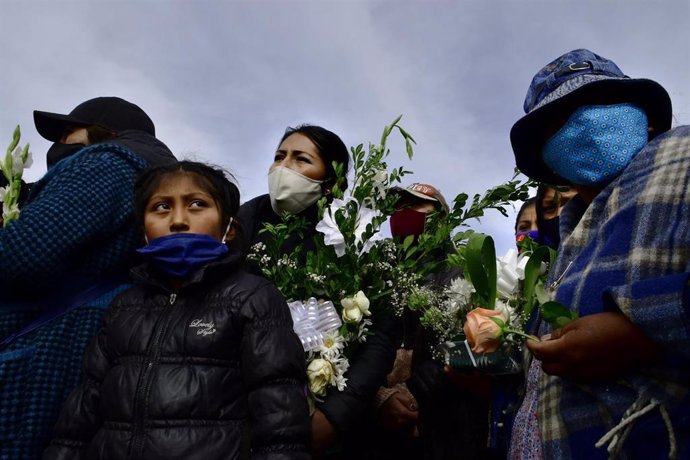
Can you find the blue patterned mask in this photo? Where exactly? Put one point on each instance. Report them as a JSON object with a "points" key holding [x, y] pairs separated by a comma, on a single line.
{"points": [[181, 254], [597, 143]]}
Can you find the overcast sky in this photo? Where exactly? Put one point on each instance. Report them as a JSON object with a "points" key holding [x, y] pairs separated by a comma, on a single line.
{"points": [[223, 79]]}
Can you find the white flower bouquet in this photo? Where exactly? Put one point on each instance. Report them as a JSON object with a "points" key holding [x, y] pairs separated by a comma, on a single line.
{"points": [[338, 290]]}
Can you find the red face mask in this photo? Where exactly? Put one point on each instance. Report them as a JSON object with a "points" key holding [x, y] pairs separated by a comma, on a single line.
{"points": [[406, 222]]}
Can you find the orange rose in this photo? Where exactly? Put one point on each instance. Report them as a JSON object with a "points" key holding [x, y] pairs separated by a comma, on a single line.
{"points": [[481, 331]]}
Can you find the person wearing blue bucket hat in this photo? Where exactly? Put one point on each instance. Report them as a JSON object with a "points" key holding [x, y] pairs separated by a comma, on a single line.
{"points": [[615, 382]]}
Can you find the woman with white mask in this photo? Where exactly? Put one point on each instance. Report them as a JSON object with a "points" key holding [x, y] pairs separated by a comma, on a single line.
{"points": [[301, 173]]}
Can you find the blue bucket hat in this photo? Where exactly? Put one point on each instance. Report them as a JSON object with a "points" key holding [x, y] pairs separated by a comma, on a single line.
{"points": [[578, 78]]}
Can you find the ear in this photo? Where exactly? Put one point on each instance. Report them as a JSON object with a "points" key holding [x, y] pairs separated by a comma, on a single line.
{"points": [[327, 186], [232, 231]]}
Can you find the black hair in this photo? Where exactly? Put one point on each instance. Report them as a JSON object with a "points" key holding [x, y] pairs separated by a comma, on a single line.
{"points": [[99, 134], [528, 202], [216, 181], [330, 146], [541, 193]]}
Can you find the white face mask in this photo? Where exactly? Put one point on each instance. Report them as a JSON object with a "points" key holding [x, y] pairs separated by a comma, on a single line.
{"points": [[290, 191]]}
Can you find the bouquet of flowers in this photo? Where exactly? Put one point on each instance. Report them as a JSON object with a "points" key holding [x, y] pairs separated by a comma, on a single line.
{"points": [[16, 160], [480, 319], [337, 290]]}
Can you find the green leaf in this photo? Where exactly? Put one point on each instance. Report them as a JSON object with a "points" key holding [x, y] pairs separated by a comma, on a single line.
{"points": [[16, 136], [557, 314], [532, 271], [541, 293], [480, 256], [409, 239]]}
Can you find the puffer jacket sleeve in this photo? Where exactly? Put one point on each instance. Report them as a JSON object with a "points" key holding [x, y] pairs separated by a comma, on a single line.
{"points": [[367, 372], [80, 419], [273, 369]]}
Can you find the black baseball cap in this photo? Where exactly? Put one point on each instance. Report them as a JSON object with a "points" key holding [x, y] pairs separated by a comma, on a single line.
{"points": [[111, 113]]}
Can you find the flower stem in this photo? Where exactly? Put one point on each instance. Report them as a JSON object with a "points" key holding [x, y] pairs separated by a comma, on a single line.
{"points": [[521, 334]]}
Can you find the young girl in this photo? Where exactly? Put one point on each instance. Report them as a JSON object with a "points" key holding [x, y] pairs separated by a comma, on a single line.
{"points": [[197, 351]]}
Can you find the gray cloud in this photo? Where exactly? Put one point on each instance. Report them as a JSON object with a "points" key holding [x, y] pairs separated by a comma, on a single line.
{"points": [[222, 79]]}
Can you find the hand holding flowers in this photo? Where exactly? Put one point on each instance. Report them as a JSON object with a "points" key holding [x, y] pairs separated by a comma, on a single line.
{"points": [[482, 317]]}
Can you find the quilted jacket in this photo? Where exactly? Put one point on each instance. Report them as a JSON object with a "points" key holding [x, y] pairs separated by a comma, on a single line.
{"points": [[183, 374]]}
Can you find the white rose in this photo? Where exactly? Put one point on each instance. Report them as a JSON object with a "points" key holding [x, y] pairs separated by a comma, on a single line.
{"points": [[358, 301], [352, 315], [320, 373]]}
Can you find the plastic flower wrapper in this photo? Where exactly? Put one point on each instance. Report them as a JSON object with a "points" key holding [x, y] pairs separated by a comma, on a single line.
{"points": [[16, 160], [351, 267]]}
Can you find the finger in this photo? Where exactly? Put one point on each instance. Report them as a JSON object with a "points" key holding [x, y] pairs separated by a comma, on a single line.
{"points": [[547, 350], [557, 334], [407, 418]]}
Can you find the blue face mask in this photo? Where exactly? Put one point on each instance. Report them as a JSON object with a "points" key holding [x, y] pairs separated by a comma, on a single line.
{"points": [[181, 254], [597, 143]]}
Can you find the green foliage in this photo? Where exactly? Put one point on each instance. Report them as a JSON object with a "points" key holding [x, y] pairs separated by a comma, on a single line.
{"points": [[443, 242], [557, 314], [480, 268], [321, 272]]}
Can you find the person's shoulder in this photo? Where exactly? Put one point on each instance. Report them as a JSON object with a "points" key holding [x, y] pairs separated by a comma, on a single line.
{"points": [[678, 131], [132, 148], [254, 206], [247, 284], [662, 152], [146, 146], [100, 155], [254, 295], [252, 214], [676, 140]]}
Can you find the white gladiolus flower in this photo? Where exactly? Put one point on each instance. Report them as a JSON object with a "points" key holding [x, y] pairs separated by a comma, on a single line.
{"points": [[334, 237], [510, 269], [20, 162]]}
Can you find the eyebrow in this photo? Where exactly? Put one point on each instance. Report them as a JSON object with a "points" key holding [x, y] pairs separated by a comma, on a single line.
{"points": [[295, 151], [186, 196]]}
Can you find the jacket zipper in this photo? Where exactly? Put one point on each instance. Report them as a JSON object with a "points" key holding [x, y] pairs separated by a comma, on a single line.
{"points": [[142, 392]]}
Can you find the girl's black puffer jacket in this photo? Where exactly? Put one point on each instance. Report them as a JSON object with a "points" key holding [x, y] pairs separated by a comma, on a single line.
{"points": [[187, 375]]}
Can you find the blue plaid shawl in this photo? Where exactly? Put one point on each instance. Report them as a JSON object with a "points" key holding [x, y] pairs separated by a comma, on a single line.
{"points": [[630, 252], [77, 228]]}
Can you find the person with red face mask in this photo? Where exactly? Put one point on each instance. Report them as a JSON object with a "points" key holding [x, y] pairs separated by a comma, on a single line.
{"points": [[420, 412], [413, 207]]}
